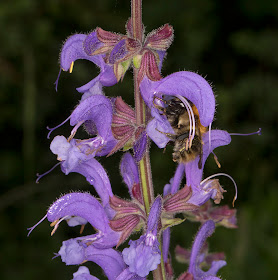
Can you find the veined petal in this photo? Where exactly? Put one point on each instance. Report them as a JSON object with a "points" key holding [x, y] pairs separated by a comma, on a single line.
{"points": [[187, 84], [212, 140]]}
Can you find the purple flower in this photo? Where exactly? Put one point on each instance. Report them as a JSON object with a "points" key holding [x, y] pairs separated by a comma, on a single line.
{"points": [[87, 207], [196, 257], [73, 50], [185, 84], [77, 155], [144, 255]]}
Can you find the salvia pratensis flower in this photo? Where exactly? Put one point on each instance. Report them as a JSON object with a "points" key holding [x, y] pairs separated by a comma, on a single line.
{"points": [[73, 50], [196, 257], [182, 84]]}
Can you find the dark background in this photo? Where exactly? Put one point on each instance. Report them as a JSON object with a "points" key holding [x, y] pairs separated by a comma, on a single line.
{"points": [[233, 44]]}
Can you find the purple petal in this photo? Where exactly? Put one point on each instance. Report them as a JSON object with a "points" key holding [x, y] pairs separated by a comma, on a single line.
{"points": [[157, 128], [193, 173], [83, 273], [205, 231], [96, 108], [142, 257], [91, 43], [109, 260], [140, 146], [129, 171], [73, 50], [119, 51], [127, 275], [76, 161], [72, 252], [187, 84], [83, 205], [154, 215], [166, 235], [175, 184]]}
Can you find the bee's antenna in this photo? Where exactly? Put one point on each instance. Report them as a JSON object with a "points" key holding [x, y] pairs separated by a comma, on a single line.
{"points": [[221, 174]]}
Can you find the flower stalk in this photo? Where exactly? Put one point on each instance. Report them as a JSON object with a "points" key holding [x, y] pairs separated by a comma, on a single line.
{"points": [[146, 183]]}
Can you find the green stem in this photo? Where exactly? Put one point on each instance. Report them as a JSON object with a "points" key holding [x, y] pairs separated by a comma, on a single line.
{"points": [[146, 183]]}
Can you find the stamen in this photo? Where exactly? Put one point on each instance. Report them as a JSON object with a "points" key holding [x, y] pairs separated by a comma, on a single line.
{"points": [[33, 227], [71, 67], [52, 129], [191, 119], [57, 80], [56, 224], [74, 130], [42, 175], [216, 159], [221, 174], [82, 229], [248, 134]]}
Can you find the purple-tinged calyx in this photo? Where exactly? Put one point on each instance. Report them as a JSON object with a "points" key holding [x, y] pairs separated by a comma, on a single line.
{"points": [[120, 50], [196, 257], [178, 202], [126, 131], [73, 50], [144, 254], [221, 215], [129, 217]]}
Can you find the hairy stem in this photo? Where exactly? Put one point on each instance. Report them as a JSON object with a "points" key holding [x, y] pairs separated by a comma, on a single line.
{"points": [[146, 183]]}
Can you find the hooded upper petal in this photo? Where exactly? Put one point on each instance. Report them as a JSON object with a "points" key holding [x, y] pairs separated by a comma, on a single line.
{"points": [[96, 108], [73, 50], [187, 84]]}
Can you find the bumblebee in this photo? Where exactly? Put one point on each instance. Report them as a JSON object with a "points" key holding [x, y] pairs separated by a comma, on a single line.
{"points": [[184, 118]]}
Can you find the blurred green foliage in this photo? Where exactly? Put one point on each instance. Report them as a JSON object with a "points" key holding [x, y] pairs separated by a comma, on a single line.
{"points": [[234, 45]]}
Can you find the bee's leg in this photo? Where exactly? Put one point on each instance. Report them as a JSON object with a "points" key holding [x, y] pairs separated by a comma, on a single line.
{"points": [[157, 106], [170, 135]]}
